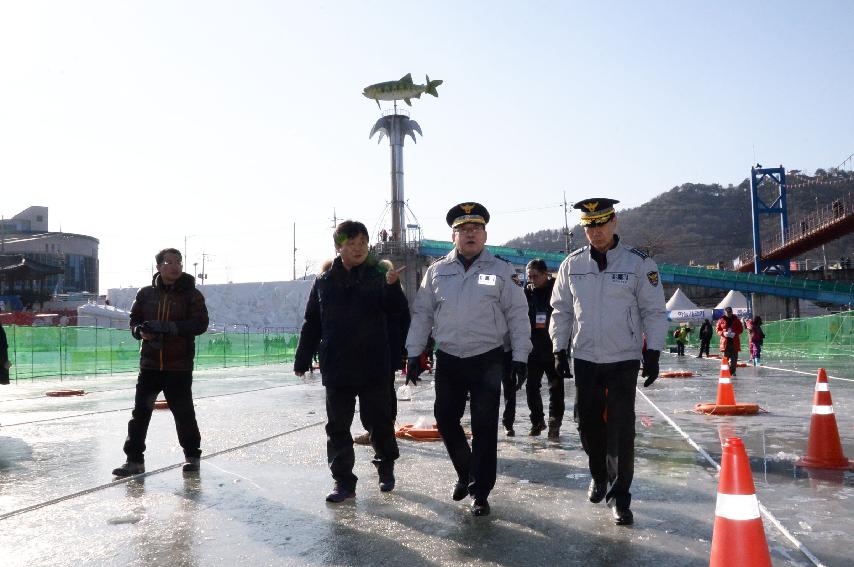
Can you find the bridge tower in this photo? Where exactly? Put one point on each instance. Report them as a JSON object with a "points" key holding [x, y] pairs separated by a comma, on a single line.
{"points": [[777, 207]]}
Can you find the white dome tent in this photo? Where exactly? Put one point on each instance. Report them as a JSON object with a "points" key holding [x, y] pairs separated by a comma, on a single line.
{"points": [[681, 308], [737, 301]]}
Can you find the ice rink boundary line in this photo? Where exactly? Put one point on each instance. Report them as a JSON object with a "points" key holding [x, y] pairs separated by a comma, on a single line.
{"points": [[114, 483], [195, 381], [130, 408], [765, 512], [795, 371]]}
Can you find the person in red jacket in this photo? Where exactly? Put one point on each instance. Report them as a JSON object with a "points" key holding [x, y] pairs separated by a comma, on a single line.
{"points": [[729, 329]]}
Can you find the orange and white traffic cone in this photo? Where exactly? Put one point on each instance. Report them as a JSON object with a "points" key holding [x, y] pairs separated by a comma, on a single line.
{"points": [[726, 397], [738, 537], [725, 404], [824, 450]]}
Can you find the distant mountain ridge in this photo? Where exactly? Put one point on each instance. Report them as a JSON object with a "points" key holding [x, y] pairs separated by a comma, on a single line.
{"points": [[703, 224]]}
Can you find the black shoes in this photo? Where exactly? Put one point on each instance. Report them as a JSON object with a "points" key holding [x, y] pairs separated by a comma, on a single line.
{"points": [[622, 515], [340, 494], [192, 464], [479, 507], [536, 429], [509, 431], [461, 490], [129, 469], [387, 482], [554, 429], [597, 490]]}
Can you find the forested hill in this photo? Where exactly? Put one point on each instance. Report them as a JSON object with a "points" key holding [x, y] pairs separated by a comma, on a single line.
{"points": [[707, 224]]}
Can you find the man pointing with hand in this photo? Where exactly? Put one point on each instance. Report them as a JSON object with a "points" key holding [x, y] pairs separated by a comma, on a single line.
{"points": [[606, 298]]}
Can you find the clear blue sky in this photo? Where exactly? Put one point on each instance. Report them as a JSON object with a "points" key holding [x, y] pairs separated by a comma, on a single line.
{"points": [[142, 123]]}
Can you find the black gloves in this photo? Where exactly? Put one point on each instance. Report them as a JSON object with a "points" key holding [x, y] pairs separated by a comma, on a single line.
{"points": [[413, 370], [519, 373], [650, 366], [155, 327], [562, 364]]}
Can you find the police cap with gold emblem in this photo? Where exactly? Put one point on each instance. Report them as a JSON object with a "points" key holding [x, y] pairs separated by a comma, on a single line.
{"points": [[596, 211], [467, 212]]}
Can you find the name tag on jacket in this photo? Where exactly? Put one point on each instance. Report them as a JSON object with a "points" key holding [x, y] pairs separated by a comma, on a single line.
{"points": [[620, 278], [485, 279]]}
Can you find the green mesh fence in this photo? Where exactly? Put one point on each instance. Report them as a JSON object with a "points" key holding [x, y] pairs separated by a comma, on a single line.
{"points": [[826, 336], [39, 352]]}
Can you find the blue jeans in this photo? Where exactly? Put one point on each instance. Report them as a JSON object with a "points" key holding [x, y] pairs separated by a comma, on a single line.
{"points": [[480, 378]]}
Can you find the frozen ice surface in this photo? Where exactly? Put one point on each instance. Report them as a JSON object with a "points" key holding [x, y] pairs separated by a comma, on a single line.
{"points": [[259, 498]]}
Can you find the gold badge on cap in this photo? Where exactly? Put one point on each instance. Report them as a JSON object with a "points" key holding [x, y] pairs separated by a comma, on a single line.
{"points": [[591, 206], [467, 208]]}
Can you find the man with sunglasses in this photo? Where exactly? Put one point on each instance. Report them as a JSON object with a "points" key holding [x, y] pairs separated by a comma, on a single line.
{"points": [[166, 316], [606, 298], [470, 303]]}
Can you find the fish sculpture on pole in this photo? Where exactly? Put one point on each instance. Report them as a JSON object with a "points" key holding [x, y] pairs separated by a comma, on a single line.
{"points": [[403, 89]]}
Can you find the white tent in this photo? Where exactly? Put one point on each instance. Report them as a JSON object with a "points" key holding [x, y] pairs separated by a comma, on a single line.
{"points": [[733, 299], [680, 301]]}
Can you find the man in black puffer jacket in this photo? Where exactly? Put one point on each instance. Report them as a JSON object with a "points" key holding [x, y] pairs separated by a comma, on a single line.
{"points": [[166, 316], [346, 320]]}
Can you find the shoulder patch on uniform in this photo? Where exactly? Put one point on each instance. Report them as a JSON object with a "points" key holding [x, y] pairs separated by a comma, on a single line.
{"points": [[640, 253], [653, 278]]}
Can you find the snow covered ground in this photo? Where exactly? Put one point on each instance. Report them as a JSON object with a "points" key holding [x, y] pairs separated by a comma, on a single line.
{"points": [[256, 304]]}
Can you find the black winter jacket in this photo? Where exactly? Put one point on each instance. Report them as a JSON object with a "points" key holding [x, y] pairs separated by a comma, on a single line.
{"points": [[347, 321], [539, 301], [182, 303]]}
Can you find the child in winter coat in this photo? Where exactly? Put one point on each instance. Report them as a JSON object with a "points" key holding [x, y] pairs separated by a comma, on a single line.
{"points": [[756, 338]]}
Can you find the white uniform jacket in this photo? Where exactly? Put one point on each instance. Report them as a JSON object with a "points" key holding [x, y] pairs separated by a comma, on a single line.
{"points": [[470, 312], [607, 314]]}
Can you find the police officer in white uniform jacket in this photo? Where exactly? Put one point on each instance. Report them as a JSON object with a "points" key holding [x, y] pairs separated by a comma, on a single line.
{"points": [[607, 297], [469, 302]]}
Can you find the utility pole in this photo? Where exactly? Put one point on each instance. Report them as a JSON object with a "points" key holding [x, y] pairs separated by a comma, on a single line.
{"points": [[204, 275], [567, 236], [295, 251], [334, 218]]}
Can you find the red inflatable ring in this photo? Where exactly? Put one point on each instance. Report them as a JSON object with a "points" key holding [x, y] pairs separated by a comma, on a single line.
{"points": [[737, 409], [161, 404], [741, 365], [64, 393], [676, 374]]}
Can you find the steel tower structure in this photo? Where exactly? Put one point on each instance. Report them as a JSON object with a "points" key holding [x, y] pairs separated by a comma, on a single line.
{"points": [[759, 207], [396, 125]]}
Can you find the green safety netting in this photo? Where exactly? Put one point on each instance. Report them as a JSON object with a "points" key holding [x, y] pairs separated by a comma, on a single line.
{"points": [[826, 336], [38, 352]]}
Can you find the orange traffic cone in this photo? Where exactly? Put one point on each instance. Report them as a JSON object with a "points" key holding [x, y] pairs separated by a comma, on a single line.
{"points": [[725, 405], [726, 397], [738, 537], [824, 450]]}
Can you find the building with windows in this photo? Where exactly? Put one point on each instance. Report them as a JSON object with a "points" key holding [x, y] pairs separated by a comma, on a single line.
{"points": [[36, 264]]}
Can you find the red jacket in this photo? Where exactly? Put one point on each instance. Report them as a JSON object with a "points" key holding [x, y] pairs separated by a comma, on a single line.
{"points": [[733, 324]]}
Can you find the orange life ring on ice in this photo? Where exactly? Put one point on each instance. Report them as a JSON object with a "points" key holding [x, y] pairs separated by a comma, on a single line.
{"points": [[741, 365], [64, 393], [161, 404], [409, 431], [718, 409], [677, 374]]}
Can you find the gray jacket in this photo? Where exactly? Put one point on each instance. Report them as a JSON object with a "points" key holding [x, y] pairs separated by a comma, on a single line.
{"points": [[470, 312], [608, 313]]}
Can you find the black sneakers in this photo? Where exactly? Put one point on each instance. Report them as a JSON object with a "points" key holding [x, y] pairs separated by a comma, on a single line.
{"points": [[129, 469], [340, 494], [192, 464]]}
